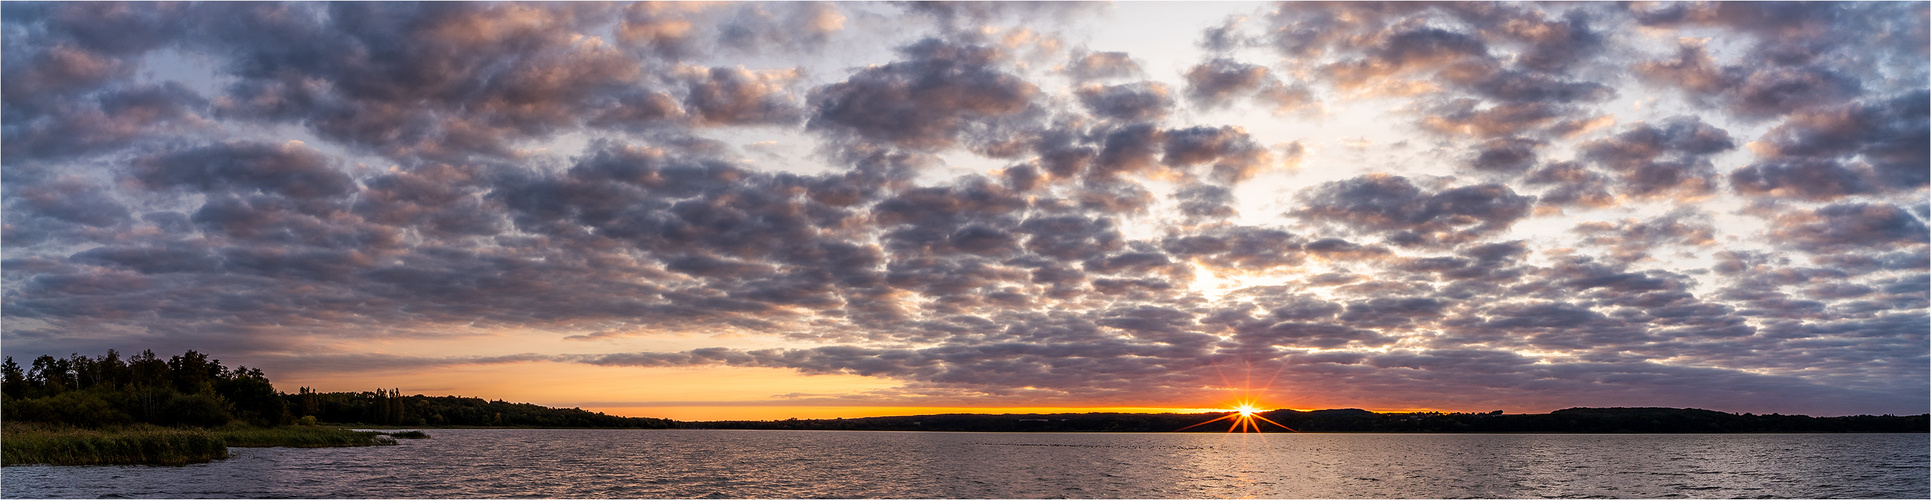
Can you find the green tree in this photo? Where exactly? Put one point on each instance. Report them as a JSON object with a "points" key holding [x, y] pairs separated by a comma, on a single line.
{"points": [[13, 380], [191, 370], [150, 384], [254, 398], [204, 409], [50, 375]]}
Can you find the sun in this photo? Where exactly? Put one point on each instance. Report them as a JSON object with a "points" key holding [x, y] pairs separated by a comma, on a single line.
{"points": [[1246, 417], [1245, 413]]}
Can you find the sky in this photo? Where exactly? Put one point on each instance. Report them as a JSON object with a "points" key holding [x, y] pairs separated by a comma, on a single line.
{"points": [[774, 210]]}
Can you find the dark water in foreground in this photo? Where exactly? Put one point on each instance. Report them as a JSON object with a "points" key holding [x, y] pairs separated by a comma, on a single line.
{"points": [[804, 464]]}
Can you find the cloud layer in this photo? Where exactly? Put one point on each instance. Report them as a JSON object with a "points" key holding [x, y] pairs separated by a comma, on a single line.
{"points": [[1717, 205]]}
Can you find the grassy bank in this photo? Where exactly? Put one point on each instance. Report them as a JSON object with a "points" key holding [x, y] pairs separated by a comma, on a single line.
{"points": [[34, 443], [300, 437]]}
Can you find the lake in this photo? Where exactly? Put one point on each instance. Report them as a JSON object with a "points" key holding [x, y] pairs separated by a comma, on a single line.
{"points": [[569, 463]]}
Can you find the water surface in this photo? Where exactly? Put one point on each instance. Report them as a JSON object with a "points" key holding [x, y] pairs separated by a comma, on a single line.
{"points": [[562, 463]]}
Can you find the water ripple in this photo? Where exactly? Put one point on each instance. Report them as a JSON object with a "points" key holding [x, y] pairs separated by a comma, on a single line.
{"points": [[489, 463]]}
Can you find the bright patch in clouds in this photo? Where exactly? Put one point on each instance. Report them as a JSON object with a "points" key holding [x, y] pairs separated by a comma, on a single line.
{"points": [[812, 208]]}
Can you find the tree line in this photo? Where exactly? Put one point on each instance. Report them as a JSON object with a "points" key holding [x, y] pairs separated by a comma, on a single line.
{"points": [[390, 407], [185, 390], [192, 390]]}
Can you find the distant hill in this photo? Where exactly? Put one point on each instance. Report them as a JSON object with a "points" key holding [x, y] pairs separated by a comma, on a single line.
{"points": [[1572, 420]]}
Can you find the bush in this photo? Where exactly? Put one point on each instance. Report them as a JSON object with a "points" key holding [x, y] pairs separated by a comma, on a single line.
{"points": [[197, 410], [82, 409]]}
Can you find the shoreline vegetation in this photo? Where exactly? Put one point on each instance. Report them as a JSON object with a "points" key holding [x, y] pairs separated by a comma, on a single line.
{"points": [[145, 444], [190, 409], [149, 410]]}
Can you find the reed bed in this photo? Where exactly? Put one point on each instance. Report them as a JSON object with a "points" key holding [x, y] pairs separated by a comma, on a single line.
{"points": [[31, 444], [143, 444], [409, 435], [300, 437]]}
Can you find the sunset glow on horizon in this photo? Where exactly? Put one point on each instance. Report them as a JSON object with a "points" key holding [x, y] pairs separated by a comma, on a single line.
{"points": [[760, 211]]}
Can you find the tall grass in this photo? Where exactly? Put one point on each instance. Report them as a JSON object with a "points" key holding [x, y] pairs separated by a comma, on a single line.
{"points": [[22, 443], [299, 437], [409, 435], [143, 444]]}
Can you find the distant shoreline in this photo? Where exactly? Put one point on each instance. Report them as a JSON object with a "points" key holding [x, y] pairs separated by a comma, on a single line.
{"points": [[525, 428], [1568, 421]]}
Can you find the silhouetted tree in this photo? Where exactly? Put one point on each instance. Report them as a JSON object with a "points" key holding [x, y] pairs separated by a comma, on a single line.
{"points": [[254, 398], [13, 380], [152, 385], [311, 402], [146, 369], [192, 369], [50, 375]]}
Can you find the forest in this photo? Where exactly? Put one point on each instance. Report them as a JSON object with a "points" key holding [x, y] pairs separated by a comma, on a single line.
{"points": [[192, 390], [390, 408], [188, 390]]}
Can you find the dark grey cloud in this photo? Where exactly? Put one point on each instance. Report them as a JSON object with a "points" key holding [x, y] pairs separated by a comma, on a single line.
{"points": [[1662, 160], [59, 210], [1512, 154], [1070, 237], [1751, 91], [118, 118], [939, 95], [291, 169], [1554, 44], [679, 32], [60, 51], [1799, 56], [1233, 155], [1847, 226], [1488, 71], [975, 218], [1220, 82], [1128, 149], [1206, 201], [1520, 86], [1633, 239], [1573, 184], [1802, 179], [1140, 101], [68, 89], [1406, 215], [736, 96], [1856, 148], [420, 80], [1400, 51], [1237, 247]]}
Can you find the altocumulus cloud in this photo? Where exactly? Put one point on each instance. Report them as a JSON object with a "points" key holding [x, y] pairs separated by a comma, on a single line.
{"points": [[1718, 205]]}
